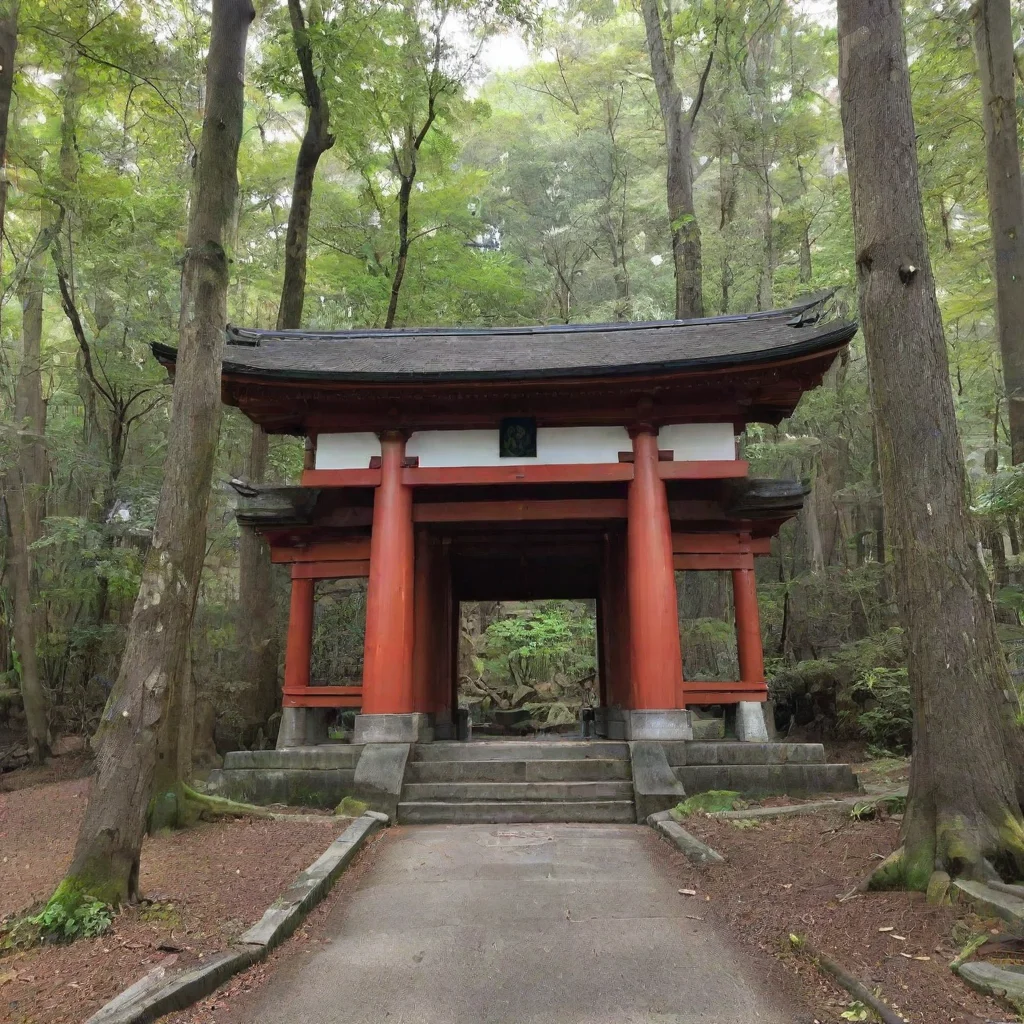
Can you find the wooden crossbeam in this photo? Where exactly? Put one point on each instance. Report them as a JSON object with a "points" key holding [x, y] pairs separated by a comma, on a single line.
{"points": [[518, 511]]}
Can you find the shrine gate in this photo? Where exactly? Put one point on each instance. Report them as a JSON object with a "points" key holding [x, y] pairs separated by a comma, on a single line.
{"points": [[450, 465]]}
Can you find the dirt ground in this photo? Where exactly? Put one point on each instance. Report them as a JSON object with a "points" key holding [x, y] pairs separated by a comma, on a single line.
{"points": [[798, 875], [204, 886]]}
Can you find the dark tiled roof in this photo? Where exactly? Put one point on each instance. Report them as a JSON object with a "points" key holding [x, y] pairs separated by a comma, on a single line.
{"points": [[504, 353]]}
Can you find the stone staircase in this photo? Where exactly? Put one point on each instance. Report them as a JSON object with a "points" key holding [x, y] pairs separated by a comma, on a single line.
{"points": [[758, 769], [517, 781]]}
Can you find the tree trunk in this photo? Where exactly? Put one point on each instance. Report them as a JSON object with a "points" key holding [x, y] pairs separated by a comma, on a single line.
{"points": [[404, 196], [686, 249], [967, 775], [257, 609], [8, 48], [106, 860], [26, 499], [993, 40]]}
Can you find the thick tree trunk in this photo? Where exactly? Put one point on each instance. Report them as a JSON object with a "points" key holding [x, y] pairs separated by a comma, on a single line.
{"points": [[963, 813], [8, 48], [993, 40], [257, 609], [26, 499], [106, 860], [686, 247]]}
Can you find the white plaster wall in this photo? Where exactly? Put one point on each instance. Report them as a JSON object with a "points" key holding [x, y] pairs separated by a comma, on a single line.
{"points": [[555, 446], [696, 442], [346, 451]]}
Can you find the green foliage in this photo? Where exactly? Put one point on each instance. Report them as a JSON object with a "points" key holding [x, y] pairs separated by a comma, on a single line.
{"points": [[888, 805], [64, 920], [539, 659], [888, 718], [856, 1010]]}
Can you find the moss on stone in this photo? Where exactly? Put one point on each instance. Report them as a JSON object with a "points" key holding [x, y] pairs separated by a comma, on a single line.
{"points": [[350, 807], [708, 803], [938, 887]]}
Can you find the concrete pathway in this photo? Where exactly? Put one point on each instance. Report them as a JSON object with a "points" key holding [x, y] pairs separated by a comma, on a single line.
{"points": [[518, 924]]}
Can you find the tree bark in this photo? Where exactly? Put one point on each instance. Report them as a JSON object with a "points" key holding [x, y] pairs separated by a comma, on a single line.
{"points": [[993, 41], [404, 196], [967, 776], [257, 609], [26, 499], [8, 49], [686, 245], [106, 860]]}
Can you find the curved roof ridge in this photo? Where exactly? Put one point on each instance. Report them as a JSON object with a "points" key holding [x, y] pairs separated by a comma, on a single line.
{"points": [[255, 335]]}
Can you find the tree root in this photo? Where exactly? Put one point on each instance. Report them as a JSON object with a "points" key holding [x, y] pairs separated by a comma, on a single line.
{"points": [[856, 989], [185, 806], [220, 807]]}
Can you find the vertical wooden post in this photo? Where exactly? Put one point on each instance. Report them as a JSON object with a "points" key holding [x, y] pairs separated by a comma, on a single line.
{"points": [[299, 649], [748, 626], [390, 626], [442, 671], [656, 663], [425, 615]]}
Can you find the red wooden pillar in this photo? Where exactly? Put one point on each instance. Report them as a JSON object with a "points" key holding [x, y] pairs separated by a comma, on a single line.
{"points": [[656, 663], [748, 626], [299, 647], [388, 653]]}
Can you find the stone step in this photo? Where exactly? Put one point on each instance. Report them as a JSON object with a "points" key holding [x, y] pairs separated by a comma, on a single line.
{"points": [[521, 750], [501, 812], [516, 792], [326, 756], [597, 769], [726, 752], [768, 779], [297, 787]]}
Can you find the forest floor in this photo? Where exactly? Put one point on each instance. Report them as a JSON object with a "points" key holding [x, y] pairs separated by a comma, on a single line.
{"points": [[203, 886], [799, 875]]}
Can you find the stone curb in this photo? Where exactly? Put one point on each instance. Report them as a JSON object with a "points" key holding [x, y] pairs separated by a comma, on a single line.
{"points": [[992, 902], [1006, 983], [847, 803], [165, 990], [694, 850]]}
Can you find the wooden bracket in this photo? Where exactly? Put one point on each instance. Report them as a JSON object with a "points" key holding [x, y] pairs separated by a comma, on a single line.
{"points": [[664, 455]]}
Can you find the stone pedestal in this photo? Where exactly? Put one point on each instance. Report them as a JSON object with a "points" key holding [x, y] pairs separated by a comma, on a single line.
{"points": [[628, 724], [750, 724], [302, 727], [410, 728]]}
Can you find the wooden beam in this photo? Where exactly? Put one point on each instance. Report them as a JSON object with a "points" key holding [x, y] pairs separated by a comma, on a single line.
{"points": [[705, 562], [341, 477], [324, 697], [441, 476], [710, 543], [518, 511], [703, 470], [351, 550], [730, 684], [693, 695], [350, 569]]}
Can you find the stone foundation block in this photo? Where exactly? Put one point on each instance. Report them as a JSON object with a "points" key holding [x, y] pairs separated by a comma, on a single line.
{"points": [[302, 727], [413, 728]]}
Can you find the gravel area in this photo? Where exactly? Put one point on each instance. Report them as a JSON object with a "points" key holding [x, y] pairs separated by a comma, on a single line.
{"points": [[799, 875], [202, 887]]}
